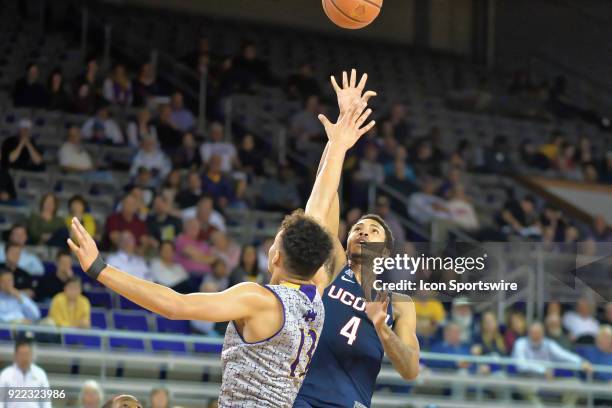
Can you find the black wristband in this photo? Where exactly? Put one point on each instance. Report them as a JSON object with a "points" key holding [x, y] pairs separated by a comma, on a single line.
{"points": [[96, 268]]}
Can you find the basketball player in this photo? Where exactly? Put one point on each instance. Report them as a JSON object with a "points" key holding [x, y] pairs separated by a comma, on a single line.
{"points": [[356, 333], [275, 328]]}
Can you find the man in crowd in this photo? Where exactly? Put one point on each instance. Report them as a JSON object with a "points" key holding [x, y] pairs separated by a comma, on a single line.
{"points": [[53, 283], [15, 307], [29, 262], [70, 308], [20, 152], [126, 258], [215, 145], [102, 128], [23, 281], [72, 156], [581, 323], [161, 224], [29, 91], [125, 220]]}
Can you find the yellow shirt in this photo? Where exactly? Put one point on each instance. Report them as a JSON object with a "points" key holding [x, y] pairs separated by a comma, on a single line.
{"points": [[66, 314], [429, 309], [88, 221]]}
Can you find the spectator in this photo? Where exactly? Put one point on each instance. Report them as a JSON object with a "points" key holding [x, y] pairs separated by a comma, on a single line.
{"points": [[516, 327], [125, 220], [554, 331], [72, 156], [20, 152], [425, 206], [279, 193], [462, 315], [139, 129], [600, 232], [216, 146], [126, 258], [70, 308], [535, 351], [28, 261], [430, 315], [462, 210], [305, 126], [497, 157], [216, 183], [247, 270], [225, 249], [167, 272], [520, 217], [171, 188], [91, 395], [581, 324], [145, 85], [117, 88], [218, 279], [23, 373], [160, 398], [181, 117], [424, 161], [369, 169], [161, 224], [88, 88], [150, 157], [452, 345], [78, 208], [8, 194], [169, 136], [250, 70], [399, 122], [58, 98], [489, 342], [46, 227], [29, 92], [23, 281], [15, 306], [190, 196], [250, 158], [402, 179], [101, 128], [601, 353], [210, 219], [53, 283], [187, 156], [383, 208], [192, 253], [302, 84]]}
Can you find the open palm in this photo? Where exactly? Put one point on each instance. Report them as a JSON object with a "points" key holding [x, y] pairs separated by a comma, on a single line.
{"points": [[351, 91]]}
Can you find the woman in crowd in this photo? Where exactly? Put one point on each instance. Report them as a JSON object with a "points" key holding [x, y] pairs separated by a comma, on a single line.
{"points": [[46, 227]]}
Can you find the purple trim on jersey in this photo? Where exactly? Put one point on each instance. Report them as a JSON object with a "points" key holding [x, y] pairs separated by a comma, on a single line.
{"points": [[275, 334], [309, 290]]}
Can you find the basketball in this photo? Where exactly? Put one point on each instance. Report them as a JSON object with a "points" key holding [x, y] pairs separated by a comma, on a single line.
{"points": [[352, 14]]}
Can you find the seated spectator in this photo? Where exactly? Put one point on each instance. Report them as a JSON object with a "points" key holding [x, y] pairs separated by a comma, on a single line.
{"points": [[167, 272], [117, 88], [91, 395], [305, 127], [452, 345], [248, 269], [28, 261], [216, 183], [210, 219], [250, 158], [225, 249], [72, 156], [46, 227], [218, 279], [601, 352], [150, 157], [58, 97], [140, 128], [15, 306], [521, 218], [181, 117], [302, 84], [581, 323], [489, 342], [249, 70], [462, 210], [554, 331], [161, 224], [101, 128], [160, 398], [29, 92], [145, 86], [566, 163], [192, 253], [126, 259], [190, 196], [279, 193], [24, 374], [125, 220], [424, 206], [187, 155], [20, 152], [515, 328], [497, 158], [369, 169], [430, 314], [70, 308], [170, 190], [424, 160], [53, 283], [169, 136], [534, 351], [77, 207], [600, 231], [463, 316], [8, 194], [214, 145], [23, 281], [383, 208], [402, 179]]}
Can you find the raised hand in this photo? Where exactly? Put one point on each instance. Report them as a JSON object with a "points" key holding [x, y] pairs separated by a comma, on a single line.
{"points": [[85, 248], [347, 130], [351, 91], [377, 310]]}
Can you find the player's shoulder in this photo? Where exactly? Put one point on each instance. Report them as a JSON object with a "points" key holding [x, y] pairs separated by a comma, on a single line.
{"points": [[402, 304], [255, 294]]}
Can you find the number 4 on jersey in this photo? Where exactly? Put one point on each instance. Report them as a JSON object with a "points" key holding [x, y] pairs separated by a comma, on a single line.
{"points": [[350, 329]]}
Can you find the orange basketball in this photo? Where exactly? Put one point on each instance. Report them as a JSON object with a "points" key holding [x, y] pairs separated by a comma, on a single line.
{"points": [[352, 14]]}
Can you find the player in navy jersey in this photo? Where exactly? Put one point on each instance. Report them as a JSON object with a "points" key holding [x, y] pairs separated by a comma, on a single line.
{"points": [[356, 333]]}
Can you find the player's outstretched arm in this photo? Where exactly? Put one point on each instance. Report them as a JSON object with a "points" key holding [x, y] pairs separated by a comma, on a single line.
{"points": [[238, 302]]}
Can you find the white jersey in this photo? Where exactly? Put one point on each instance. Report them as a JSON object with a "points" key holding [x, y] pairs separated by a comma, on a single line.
{"points": [[270, 373]]}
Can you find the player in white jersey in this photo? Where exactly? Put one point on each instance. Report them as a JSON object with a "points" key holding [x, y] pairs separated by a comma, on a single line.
{"points": [[274, 329]]}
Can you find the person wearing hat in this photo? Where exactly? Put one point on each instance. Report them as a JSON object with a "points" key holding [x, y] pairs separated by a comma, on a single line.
{"points": [[101, 128], [152, 158], [20, 152]]}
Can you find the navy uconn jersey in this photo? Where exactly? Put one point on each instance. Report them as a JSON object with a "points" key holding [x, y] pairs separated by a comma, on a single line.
{"points": [[349, 355]]}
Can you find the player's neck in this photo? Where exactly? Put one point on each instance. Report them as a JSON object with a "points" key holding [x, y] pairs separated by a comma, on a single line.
{"points": [[356, 269]]}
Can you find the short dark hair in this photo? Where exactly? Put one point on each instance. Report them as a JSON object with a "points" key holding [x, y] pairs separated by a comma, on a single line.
{"points": [[22, 341], [389, 239], [305, 245], [167, 242], [72, 279], [78, 197], [63, 252]]}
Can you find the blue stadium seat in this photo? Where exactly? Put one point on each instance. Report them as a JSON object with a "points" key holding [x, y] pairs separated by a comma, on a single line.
{"points": [[207, 348], [5, 335], [172, 326], [99, 298], [130, 321], [125, 343], [44, 311], [177, 347], [83, 340], [127, 304], [98, 320]]}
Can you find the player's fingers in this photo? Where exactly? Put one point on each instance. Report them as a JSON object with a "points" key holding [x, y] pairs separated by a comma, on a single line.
{"points": [[74, 247], [83, 232], [324, 121], [369, 94], [362, 82], [344, 79], [75, 231], [353, 77], [363, 117], [335, 84], [367, 127], [356, 112]]}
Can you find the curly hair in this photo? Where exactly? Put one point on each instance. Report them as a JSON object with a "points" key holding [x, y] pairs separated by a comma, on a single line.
{"points": [[305, 245]]}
